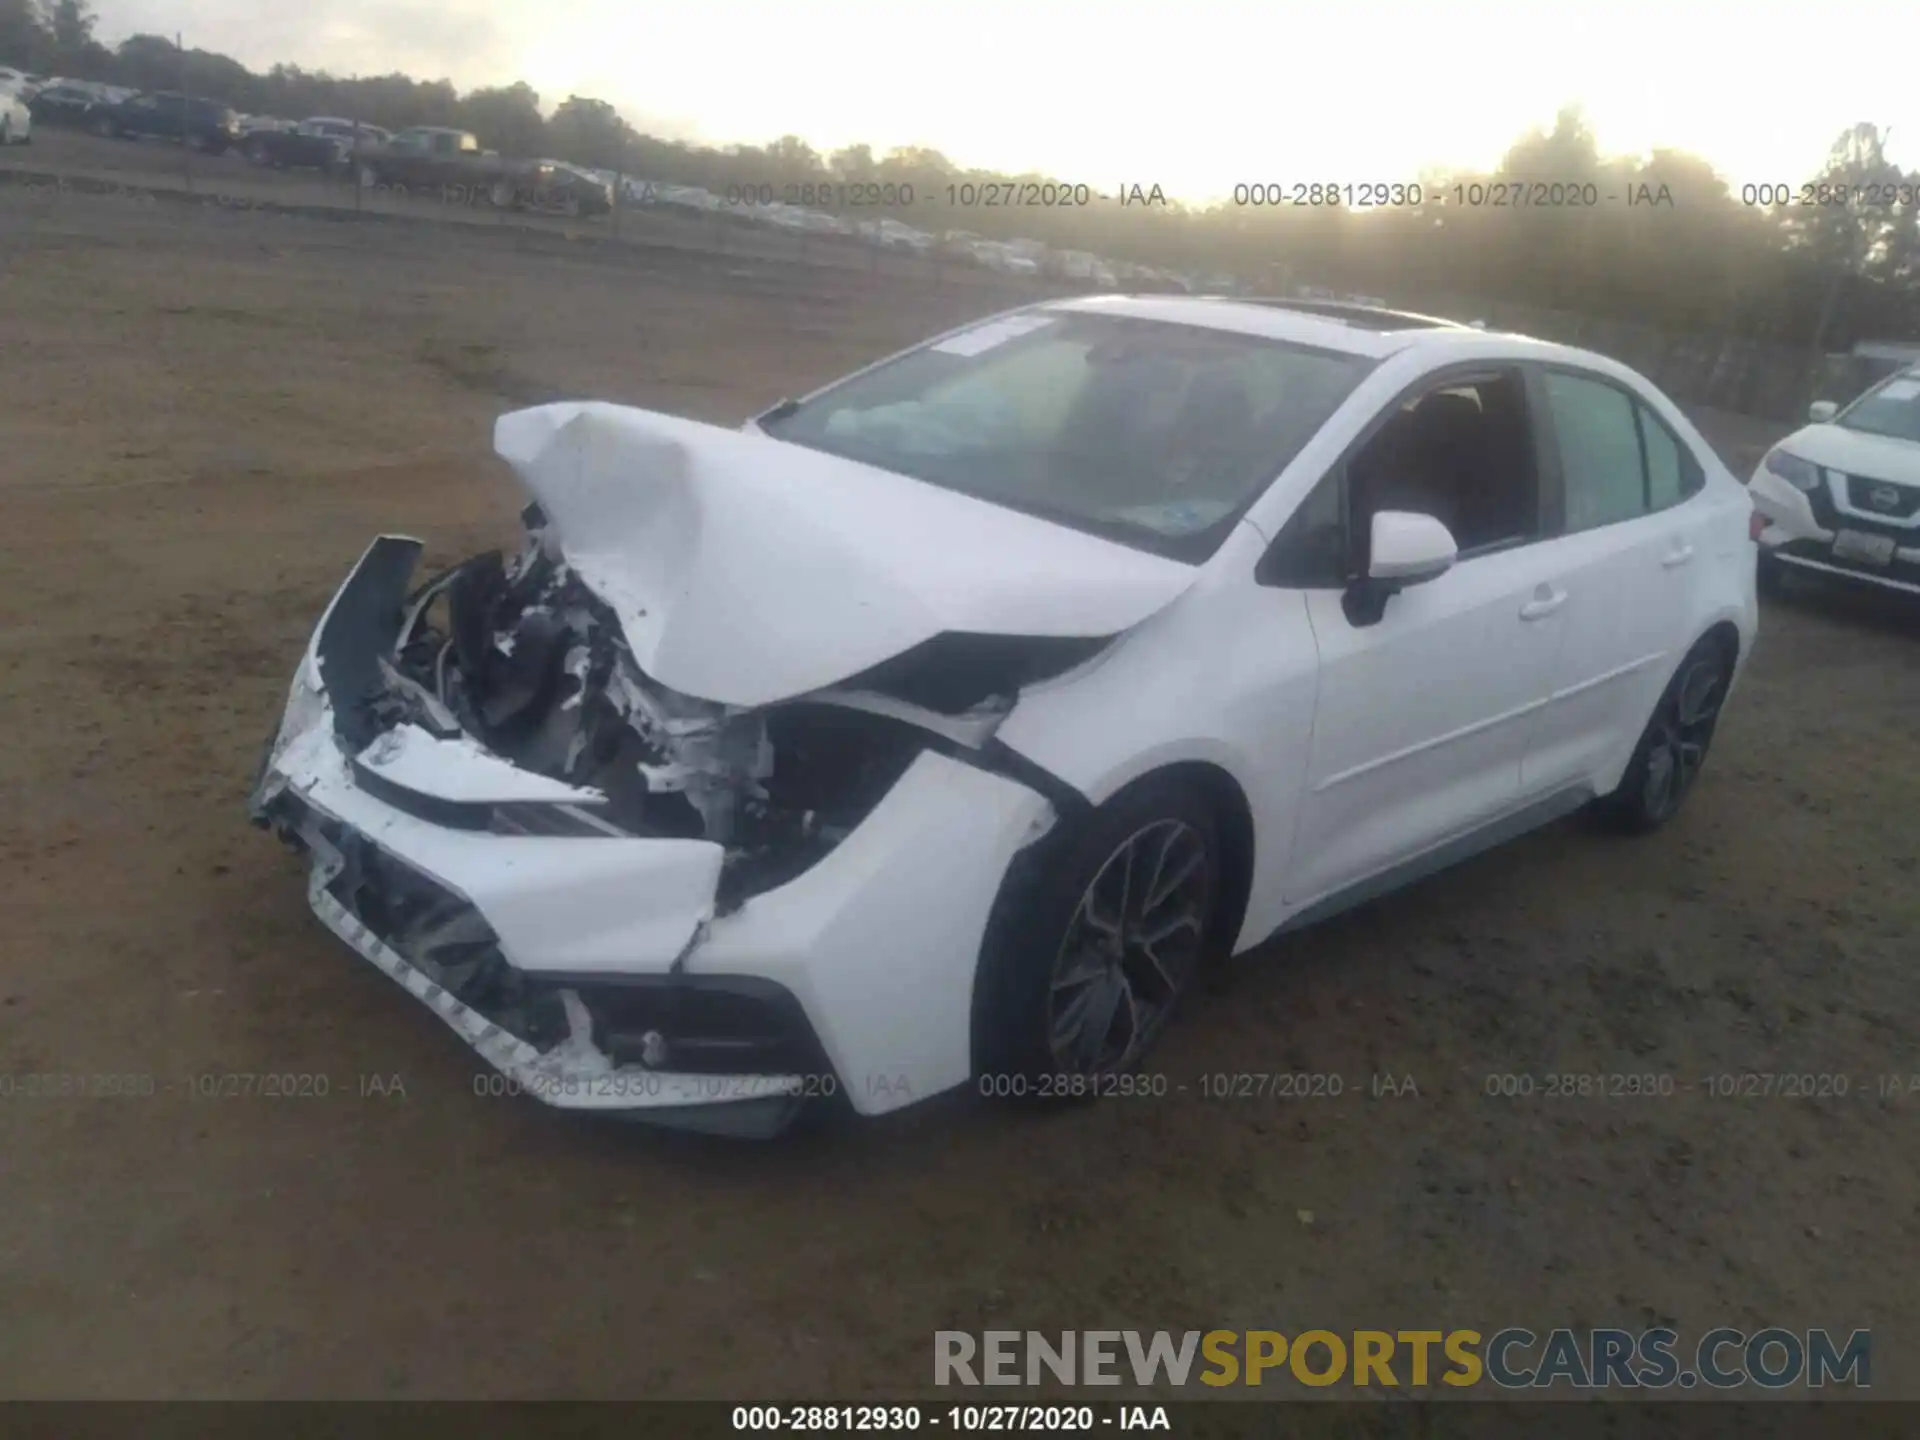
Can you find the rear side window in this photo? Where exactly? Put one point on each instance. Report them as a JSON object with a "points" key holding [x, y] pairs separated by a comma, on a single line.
{"points": [[1672, 472], [1599, 439]]}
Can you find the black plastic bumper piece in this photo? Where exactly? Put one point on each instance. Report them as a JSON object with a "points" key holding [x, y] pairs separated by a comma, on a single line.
{"points": [[361, 628]]}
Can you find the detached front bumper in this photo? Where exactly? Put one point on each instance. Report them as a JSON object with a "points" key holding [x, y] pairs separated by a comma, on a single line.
{"points": [[591, 969]]}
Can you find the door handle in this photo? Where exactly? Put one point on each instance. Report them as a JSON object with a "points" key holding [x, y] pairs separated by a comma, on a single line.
{"points": [[1546, 600], [1679, 555]]}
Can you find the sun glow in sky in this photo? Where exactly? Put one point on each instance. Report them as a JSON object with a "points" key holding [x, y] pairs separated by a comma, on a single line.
{"points": [[1195, 96]]}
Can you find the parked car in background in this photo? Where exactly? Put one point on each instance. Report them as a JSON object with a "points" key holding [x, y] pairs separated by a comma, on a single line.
{"points": [[1840, 497], [821, 222], [958, 244], [1071, 265], [890, 234], [252, 125], [426, 156], [689, 199], [563, 188], [16, 118], [998, 256], [322, 142], [66, 102], [20, 81], [207, 125]]}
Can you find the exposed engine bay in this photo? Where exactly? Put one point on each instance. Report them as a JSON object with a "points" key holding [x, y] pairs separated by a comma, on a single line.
{"points": [[522, 657]]}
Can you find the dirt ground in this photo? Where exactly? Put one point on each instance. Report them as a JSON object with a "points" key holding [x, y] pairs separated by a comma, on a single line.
{"points": [[204, 415]]}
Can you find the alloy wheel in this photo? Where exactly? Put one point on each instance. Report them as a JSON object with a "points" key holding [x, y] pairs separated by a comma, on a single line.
{"points": [[1133, 943], [1682, 729]]}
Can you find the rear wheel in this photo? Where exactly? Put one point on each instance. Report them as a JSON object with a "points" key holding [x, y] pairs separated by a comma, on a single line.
{"points": [[1090, 953], [1673, 748], [6, 129]]}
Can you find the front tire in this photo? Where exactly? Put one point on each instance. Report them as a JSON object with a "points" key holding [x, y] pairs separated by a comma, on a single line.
{"points": [[1673, 747], [1096, 939]]}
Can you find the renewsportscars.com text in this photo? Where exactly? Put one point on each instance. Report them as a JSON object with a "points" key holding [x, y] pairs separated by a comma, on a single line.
{"points": [[1510, 1359]]}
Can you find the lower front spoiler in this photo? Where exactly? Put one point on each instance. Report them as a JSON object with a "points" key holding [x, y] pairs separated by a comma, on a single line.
{"points": [[573, 1075]]}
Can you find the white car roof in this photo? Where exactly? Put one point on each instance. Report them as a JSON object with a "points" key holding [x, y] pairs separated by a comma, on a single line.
{"points": [[1355, 329]]}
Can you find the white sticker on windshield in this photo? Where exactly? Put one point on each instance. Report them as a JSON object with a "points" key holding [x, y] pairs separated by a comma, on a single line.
{"points": [[1900, 390], [983, 338]]}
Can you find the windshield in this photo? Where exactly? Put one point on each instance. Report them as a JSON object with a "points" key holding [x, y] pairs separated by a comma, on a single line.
{"points": [[1891, 409], [1152, 434]]}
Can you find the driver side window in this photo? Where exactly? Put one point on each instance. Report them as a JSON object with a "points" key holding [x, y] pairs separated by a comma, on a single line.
{"points": [[1461, 450]]}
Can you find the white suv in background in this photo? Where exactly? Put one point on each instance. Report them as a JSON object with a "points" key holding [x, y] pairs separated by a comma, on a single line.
{"points": [[1841, 497], [942, 724]]}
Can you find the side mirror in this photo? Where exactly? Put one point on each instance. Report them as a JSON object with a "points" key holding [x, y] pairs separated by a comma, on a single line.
{"points": [[1822, 411], [1405, 549]]}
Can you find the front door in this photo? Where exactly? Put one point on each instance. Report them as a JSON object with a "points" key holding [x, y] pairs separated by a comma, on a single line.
{"points": [[1422, 718]]}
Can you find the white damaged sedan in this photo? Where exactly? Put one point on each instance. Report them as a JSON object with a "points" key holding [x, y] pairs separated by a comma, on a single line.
{"points": [[940, 726]]}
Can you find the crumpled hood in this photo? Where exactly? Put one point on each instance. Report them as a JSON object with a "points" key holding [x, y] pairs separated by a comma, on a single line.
{"points": [[1854, 452], [745, 570]]}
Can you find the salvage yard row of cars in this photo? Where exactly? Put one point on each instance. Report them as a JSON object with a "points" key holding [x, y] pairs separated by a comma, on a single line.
{"points": [[940, 727], [1009, 257], [436, 157], [423, 156]]}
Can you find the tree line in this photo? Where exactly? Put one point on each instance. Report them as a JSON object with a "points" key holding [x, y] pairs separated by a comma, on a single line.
{"points": [[1816, 260]]}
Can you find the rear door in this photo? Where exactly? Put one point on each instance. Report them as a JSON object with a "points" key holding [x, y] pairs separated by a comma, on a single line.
{"points": [[1634, 551]]}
